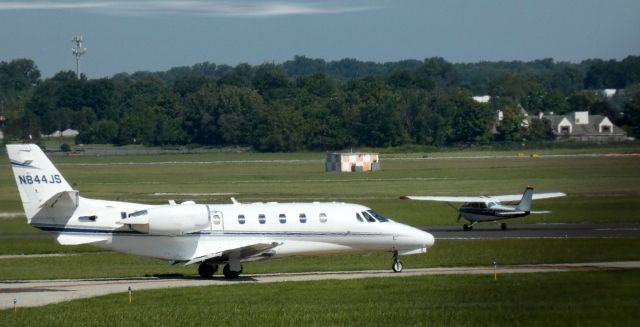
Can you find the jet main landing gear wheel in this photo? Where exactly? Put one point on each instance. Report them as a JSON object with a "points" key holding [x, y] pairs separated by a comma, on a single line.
{"points": [[206, 270], [503, 226], [230, 274], [466, 227]]}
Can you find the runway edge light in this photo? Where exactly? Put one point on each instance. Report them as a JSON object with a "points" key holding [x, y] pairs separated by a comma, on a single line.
{"points": [[495, 270]]}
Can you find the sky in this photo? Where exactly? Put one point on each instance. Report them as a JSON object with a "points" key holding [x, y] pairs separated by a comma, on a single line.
{"points": [[142, 35]]}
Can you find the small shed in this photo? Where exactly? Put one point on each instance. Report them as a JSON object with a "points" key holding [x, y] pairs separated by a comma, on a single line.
{"points": [[352, 162]]}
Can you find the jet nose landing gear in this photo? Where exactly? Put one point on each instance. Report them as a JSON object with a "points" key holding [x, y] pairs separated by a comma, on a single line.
{"points": [[397, 264]]}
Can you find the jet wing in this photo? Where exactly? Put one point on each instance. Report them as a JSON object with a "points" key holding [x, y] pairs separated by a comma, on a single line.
{"points": [[236, 251], [446, 198], [518, 197]]}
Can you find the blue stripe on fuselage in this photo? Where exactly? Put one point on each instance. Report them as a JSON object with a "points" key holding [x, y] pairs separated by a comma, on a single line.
{"points": [[61, 229]]}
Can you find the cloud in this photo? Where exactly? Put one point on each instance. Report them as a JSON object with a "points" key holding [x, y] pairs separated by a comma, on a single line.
{"points": [[196, 7]]}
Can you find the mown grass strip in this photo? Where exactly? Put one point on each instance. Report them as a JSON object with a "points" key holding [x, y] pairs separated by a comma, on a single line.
{"points": [[603, 298]]}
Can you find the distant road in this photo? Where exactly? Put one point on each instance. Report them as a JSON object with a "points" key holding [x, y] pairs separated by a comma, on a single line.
{"points": [[32, 293], [533, 231]]}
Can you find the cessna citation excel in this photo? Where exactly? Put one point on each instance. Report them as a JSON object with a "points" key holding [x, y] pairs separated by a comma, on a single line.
{"points": [[206, 234]]}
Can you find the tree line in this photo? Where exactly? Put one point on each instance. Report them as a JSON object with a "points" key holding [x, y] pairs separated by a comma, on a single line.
{"points": [[311, 104]]}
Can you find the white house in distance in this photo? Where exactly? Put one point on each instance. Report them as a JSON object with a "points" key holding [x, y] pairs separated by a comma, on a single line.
{"points": [[352, 162], [581, 126]]}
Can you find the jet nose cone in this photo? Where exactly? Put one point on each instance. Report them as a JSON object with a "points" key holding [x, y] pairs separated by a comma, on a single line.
{"points": [[428, 239]]}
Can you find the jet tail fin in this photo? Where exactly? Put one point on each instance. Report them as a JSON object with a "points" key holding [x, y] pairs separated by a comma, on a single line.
{"points": [[39, 182], [525, 202]]}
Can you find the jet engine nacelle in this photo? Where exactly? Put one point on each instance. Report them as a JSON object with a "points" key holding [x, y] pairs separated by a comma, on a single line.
{"points": [[170, 220]]}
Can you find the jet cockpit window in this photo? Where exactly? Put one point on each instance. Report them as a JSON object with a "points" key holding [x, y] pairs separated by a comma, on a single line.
{"points": [[138, 213], [491, 204], [262, 218], [359, 217], [368, 217], [323, 218], [241, 219], [378, 216], [303, 218], [283, 218]]}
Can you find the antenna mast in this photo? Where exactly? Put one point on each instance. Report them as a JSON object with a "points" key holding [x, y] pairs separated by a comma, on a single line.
{"points": [[78, 50]]}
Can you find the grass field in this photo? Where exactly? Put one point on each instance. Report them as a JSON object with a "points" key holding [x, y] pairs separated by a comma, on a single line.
{"points": [[601, 189], [543, 299]]}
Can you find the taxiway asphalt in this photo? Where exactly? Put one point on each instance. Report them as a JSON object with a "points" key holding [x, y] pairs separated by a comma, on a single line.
{"points": [[537, 231]]}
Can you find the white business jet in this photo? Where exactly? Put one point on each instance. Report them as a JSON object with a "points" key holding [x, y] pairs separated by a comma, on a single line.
{"points": [[206, 234]]}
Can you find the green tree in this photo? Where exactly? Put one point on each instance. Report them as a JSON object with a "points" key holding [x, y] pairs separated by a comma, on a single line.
{"points": [[582, 100], [539, 130], [279, 128], [510, 129], [632, 115], [236, 109], [101, 132], [270, 80], [472, 121], [18, 76]]}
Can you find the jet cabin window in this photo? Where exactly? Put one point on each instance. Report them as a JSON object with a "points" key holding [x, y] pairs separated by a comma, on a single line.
{"points": [[323, 218], [262, 218], [283, 218], [303, 218], [241, 219], [216, 219]]}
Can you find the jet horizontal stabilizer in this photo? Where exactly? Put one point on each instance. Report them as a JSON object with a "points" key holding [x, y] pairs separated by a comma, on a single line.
{"points": [[64, 199]]}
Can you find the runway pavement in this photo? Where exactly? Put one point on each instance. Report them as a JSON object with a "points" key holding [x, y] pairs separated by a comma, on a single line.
{"points": [[32, 293], [527, 231]]}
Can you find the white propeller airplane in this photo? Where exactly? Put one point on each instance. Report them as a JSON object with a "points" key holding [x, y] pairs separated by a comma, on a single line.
{"points": [[206, 234], [489, 208]]}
